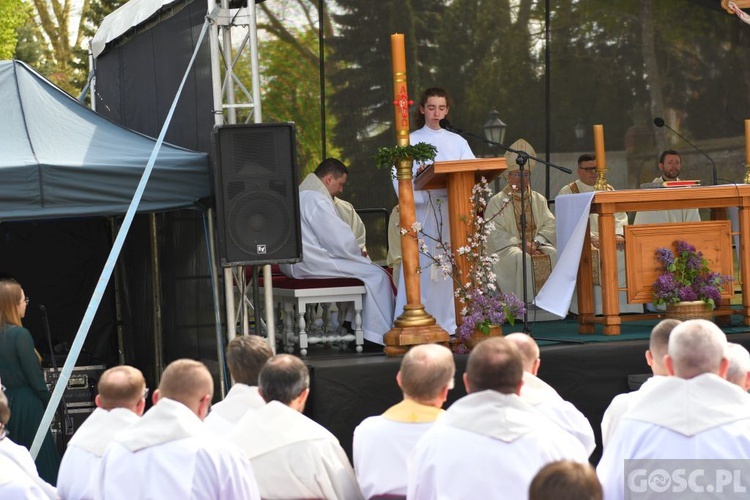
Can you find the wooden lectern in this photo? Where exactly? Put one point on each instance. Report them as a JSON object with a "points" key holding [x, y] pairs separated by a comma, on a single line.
{"points": [[459, 177]]}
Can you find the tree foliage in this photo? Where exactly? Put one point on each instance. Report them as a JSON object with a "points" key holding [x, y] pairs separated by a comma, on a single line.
{"points": [[13, 15]]}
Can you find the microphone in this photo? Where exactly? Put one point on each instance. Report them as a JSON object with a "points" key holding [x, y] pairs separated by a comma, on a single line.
{"points": [[444, 123], [659, 122]]}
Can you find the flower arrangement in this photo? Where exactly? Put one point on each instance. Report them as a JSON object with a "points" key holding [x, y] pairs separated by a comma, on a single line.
{"points": [[686, 277], [483, 304]]}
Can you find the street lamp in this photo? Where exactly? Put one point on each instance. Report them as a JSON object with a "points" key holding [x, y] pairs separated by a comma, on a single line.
{"points": [[494, 129]]}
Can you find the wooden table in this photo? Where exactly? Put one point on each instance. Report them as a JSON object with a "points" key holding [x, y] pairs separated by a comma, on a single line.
{"points": [[607, 203]]}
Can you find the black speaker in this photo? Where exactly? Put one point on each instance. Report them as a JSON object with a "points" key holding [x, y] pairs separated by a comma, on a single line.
{"points": [[257, 194]]}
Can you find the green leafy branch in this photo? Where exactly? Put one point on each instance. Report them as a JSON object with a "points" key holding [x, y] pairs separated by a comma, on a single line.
{"points": [[420, 152]]}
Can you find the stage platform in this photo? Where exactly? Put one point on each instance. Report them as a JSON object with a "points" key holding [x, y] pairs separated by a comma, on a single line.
{"points": [[347, 388]]}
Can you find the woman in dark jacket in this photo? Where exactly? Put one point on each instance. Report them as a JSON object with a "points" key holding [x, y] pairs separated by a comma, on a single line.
{"points": [[23, 378]]}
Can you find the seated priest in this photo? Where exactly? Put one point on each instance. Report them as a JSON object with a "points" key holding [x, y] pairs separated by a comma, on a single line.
{"points": [[504, 209], [587, 177], [670, 164], [330, 249]]}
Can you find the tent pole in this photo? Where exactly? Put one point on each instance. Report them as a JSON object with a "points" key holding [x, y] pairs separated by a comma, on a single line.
{"points": [[211, 230], [118, 299], [156, 299]]}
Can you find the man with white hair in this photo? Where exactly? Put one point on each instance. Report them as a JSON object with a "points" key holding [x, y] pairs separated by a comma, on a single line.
{"points": [[738, 372], [545, 399], [692, 414], [382, 443], [657, 349]]}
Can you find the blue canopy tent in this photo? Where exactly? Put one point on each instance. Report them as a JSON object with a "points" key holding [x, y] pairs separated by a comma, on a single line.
{"points": [[58, 158], [66, 175]]}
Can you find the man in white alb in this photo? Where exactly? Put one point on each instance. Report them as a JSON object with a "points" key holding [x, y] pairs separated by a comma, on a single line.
{"points": [[292, 455], [670, 164], [505, 440], [120, 402], [169, 452], [330, 249], [545, 399], [657, 349], [245, 355], [692, 414], [382, 444]]}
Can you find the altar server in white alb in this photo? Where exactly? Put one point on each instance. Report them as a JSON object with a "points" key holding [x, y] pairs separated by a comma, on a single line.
{"points": [[692, 414], [19, 477], [657, 349], [330, 249], [491, 438], [246, 355], [170, 453], [504, 209], [120, 402], [545, 399], [382, 444], [292, 455], [432, 208], [670, 164]]}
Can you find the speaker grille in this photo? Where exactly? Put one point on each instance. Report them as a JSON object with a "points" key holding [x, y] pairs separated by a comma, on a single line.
{"points": [[257, 194]]}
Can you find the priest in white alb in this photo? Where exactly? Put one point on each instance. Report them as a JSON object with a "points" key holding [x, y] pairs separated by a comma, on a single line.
{"points": [[120, 402], [330, 249], [293, 456], [490, 443], [694, 414], [169, 453], [382, 444], [245, 355], [670, 164]]}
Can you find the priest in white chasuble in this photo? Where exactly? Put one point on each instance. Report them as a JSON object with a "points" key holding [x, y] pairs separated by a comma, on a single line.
{"points": [[504, 210]]}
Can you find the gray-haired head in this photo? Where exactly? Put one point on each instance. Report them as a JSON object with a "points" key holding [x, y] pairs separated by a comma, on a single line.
{"points": [[739, 365], [696, 346]]}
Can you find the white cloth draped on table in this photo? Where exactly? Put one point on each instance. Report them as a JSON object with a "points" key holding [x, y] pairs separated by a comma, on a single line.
{"points": [[572, 217]]}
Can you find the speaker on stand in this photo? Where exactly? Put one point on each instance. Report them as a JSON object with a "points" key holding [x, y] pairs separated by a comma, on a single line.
{"points": [[257, 194], [256, 185]]}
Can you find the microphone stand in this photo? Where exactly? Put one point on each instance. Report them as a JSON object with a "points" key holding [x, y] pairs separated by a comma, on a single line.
{"points": [[521, 159]]}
